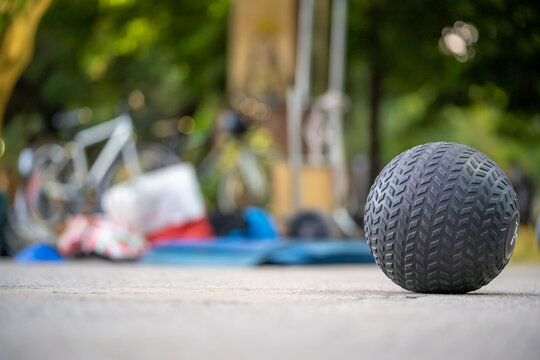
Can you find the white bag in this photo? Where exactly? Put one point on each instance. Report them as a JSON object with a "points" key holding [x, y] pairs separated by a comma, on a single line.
{"points": [[156, 200]]}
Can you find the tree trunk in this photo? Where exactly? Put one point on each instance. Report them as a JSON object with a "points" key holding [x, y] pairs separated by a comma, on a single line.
{"points": [[375, 90], [374, 104], [17, 47]]}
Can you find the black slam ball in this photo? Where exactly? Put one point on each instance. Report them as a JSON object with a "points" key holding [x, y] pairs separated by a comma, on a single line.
{"points": [[441, 218]]}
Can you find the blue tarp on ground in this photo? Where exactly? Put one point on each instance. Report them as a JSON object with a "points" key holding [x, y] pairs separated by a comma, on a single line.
{"points": [[239, 252]]}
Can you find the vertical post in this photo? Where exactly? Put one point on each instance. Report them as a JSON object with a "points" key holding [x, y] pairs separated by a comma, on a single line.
{"points": [[376, 73], [374, 103], [338, 38], [298, 96]]}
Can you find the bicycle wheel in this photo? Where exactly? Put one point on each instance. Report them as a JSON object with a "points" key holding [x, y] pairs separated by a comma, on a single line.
{"points": [[50, 191]]}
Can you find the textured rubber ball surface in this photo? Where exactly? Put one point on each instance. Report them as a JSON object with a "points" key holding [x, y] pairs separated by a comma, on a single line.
{"points": [[441, 218]]}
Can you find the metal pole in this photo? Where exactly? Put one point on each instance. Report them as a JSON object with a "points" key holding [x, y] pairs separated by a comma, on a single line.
{"points": [[298, 96], [338, 38]]}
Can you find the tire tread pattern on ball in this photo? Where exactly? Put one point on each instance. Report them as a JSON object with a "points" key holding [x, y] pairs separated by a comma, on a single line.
{"points": [[437, 216]]}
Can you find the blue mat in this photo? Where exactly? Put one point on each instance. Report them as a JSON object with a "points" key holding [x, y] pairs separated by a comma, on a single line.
{"points": [[236, 252]]}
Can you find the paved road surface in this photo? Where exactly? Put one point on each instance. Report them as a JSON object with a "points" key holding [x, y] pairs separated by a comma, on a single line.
{"points": [[99, 310]]}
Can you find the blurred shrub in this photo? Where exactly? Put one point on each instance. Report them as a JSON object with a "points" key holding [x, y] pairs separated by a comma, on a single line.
{"points": [[526, 249]]}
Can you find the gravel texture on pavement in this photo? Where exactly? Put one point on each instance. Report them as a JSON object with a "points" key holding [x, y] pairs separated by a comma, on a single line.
{"points": [[103, 310]]}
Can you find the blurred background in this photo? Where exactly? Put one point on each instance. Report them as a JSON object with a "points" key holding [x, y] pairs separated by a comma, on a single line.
{"points": [[415, 72]]}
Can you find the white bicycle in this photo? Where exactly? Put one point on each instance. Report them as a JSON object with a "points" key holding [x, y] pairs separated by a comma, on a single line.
{"points": [[67, 180]]}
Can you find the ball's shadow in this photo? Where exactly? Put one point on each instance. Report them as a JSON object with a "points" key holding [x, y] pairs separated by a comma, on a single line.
{"points": [[504, 294]]}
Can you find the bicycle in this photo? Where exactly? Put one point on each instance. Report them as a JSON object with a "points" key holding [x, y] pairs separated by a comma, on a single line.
{"points": [[61, 182], [236, 163]]}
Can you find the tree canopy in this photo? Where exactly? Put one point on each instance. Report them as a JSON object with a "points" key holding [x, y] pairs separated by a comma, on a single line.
{"points": [[95, 53], [490, 100]]}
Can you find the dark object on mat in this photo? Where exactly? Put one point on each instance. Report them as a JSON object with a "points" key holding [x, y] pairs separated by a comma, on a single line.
{"points": [[252, 223], [441, 218], [310, 225], [223, 224]]}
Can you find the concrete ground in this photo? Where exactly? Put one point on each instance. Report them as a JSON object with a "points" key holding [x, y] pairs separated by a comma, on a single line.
{"points": [[100, 310]]}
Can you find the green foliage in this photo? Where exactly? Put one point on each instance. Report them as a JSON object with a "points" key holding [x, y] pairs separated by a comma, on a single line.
{"points": [[95, 53], [491, 102], [9, 8]]}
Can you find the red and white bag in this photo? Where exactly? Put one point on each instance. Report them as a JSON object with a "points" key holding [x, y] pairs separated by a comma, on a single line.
{"points": [[163, 204]]}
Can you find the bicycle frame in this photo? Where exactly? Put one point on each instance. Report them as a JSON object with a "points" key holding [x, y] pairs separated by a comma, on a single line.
{"points": [[61, 183], [121, 140]]}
